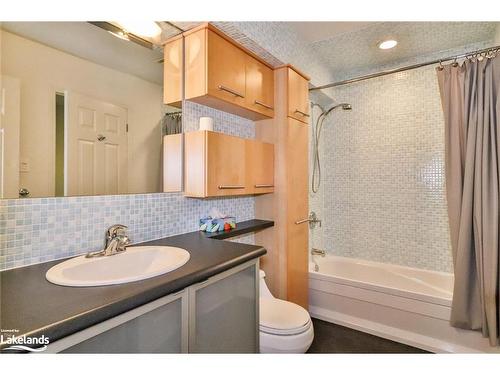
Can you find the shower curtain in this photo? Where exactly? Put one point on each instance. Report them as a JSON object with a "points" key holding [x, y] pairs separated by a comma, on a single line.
{"points": [[469, 95]]}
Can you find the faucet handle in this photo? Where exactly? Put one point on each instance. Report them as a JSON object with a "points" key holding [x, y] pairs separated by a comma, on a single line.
{"points": [[123, 242], [116, 230]]}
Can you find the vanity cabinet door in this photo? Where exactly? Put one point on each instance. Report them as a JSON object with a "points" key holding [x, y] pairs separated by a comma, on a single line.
{"points": [[157, 327], [223, 314]]}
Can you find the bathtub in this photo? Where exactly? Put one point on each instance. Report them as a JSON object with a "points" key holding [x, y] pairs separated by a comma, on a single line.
{"points": [[404, 304]]}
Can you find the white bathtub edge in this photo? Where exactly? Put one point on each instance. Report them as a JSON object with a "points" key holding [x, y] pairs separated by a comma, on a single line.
{"points": [[395, 334]]}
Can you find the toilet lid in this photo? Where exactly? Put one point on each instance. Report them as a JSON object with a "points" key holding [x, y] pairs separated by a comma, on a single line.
{"points": [[282, 317]]}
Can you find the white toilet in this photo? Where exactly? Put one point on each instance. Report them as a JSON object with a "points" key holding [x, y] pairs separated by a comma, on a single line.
{"points": [[285, 327]]}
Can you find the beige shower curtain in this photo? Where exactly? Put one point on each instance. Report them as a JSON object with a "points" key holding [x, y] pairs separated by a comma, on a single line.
{"points": [[469, 95]]}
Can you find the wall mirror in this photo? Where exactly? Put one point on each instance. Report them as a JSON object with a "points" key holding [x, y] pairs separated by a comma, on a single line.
{"points": [[81, 108]]}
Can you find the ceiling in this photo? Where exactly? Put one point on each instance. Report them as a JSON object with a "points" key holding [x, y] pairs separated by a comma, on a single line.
{"points": [[351, 48], [92, 43], [317, 31], [347, 48]]}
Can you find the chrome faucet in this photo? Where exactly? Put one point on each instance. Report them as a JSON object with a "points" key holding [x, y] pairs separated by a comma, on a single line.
{"points": [[319, 252], [115, 242]]}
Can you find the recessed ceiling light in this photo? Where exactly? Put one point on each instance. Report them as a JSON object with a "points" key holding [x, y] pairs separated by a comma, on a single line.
{"points": [[387, 44]]}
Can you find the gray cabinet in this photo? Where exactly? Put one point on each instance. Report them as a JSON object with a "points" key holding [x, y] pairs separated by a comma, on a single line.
{"points": [[218, 315], [157, 327], [157, 331], [223, 313]]}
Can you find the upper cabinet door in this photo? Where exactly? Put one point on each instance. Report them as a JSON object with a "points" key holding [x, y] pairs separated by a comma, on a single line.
{"points": [[226, 70], [173, 72], [225, 165], [298, 96], [259, 87], [220, 74], [259, 167]]}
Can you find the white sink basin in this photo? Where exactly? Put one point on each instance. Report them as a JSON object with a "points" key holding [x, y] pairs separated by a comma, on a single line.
{"points": [[136, 263]]}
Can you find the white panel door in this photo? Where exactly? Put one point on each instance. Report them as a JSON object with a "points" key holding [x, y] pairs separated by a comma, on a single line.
{"points": [[10, 122], [95, 147]]}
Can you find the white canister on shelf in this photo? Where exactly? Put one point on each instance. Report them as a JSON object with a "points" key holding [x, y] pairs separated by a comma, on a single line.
{"points": [[207, 123]]}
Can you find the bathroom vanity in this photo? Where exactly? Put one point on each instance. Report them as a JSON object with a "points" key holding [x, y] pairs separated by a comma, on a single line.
{"points": [[192, 309], [182, 322]]}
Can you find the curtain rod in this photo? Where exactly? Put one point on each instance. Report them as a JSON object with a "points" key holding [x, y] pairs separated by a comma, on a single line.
{"points": [[404, 68]]}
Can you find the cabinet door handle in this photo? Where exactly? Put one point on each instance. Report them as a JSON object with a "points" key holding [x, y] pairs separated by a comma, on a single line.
{"points": [[263, 105], [231, 91], [264, 186], [302, 221], [223, 187], [301, 113]]}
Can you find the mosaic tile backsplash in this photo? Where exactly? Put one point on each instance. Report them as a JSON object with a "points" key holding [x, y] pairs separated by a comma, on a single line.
{"points": [[382, 196], [40, 230]]}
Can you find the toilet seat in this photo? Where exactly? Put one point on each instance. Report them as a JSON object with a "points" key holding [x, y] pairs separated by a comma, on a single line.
{"points": [[283, 318]]}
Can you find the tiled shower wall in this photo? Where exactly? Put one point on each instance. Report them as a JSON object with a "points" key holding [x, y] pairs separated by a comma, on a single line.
{"points": [[382, 196], [39, 230], [383, 189]]}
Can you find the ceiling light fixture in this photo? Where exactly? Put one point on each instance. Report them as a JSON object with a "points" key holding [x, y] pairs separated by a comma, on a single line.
{"points": [[119, 34], [387, 44], [149, 29]]}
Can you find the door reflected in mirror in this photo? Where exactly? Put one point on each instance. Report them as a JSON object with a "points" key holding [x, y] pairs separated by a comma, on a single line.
{"points": [[82, 110]]}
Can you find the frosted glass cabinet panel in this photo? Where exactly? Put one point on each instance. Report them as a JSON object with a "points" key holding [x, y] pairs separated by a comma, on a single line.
{"points": [[157, 331], [224, 313]]}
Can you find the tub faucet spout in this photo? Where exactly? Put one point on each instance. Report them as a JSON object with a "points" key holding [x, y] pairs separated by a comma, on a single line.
{"points": [[320, 252]]}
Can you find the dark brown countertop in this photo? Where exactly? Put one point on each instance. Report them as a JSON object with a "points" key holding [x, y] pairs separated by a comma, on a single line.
{"points": [[34, 306]]}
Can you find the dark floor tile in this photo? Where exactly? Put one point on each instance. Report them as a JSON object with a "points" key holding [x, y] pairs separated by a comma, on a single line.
{"points": [[333, 338]]}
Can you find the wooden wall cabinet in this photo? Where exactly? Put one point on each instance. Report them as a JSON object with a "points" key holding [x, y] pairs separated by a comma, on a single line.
{"points": [[259, 95], [172, 162], [221, 74], [225, 70], [214, 164], [297, 229], [298, 96], [287, 243], [217, 164], [173, 71], [259, 167]]}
